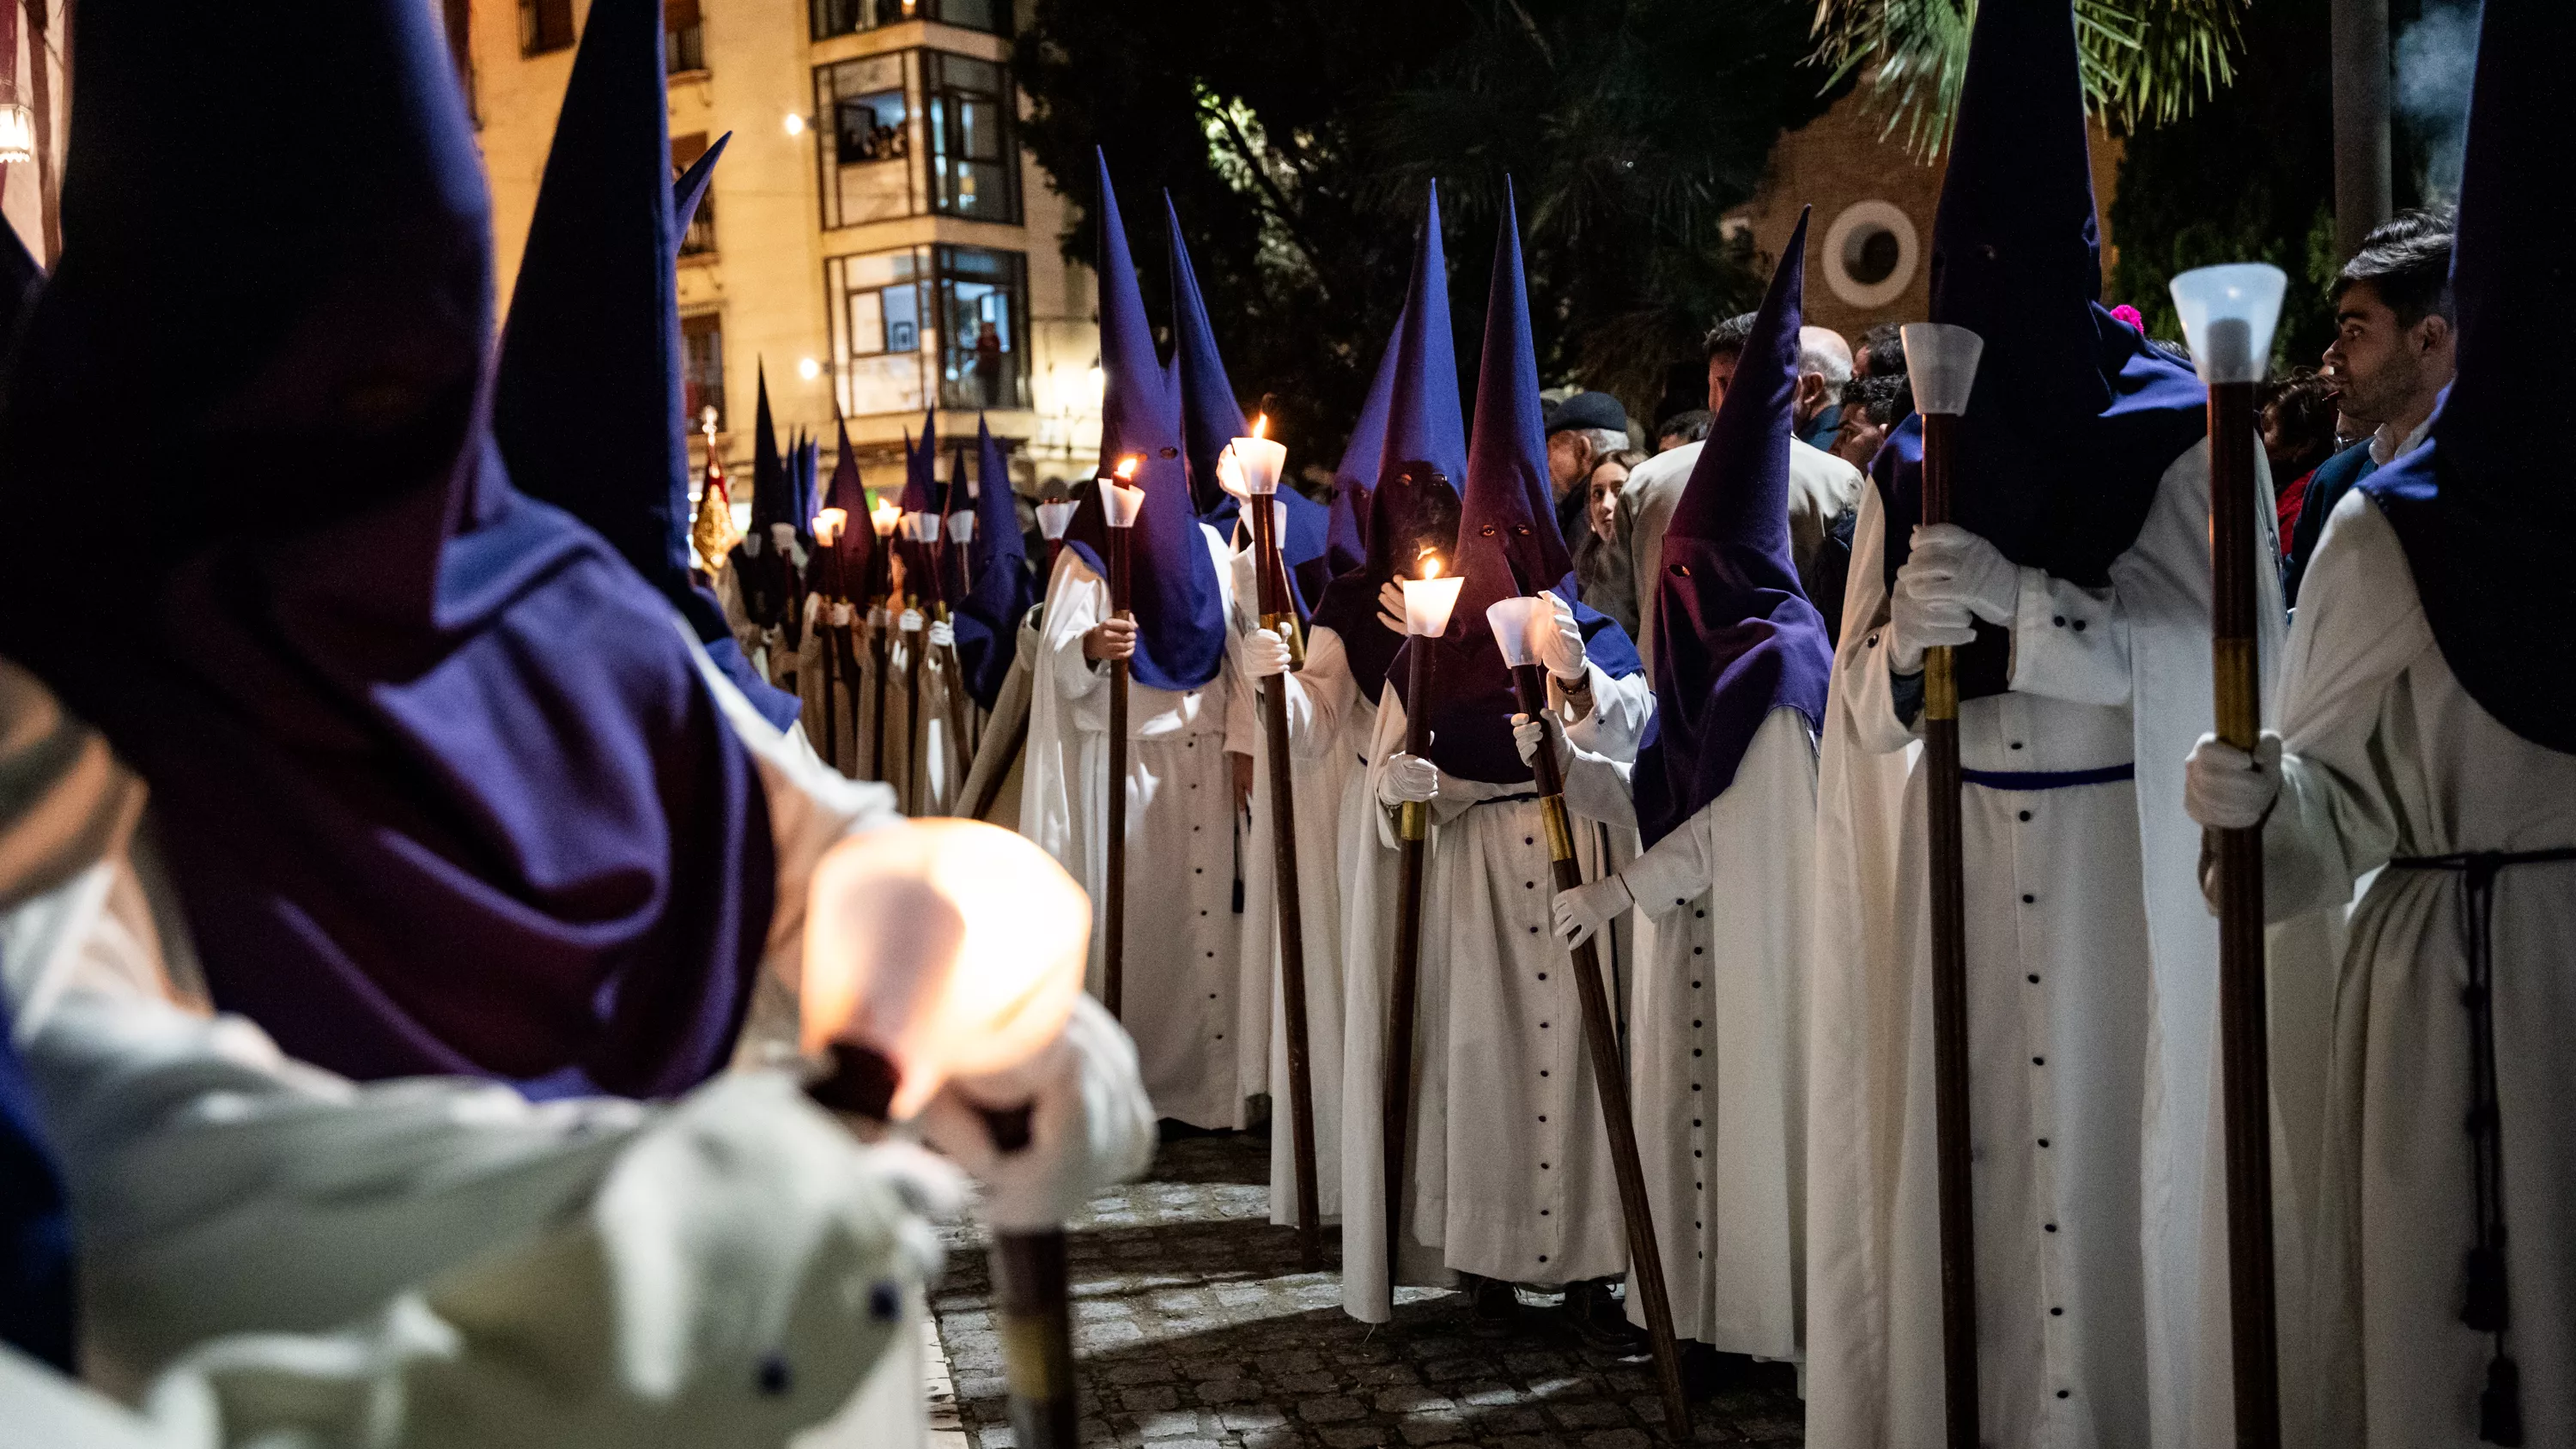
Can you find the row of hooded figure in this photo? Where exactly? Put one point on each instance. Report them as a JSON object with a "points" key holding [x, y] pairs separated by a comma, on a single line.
{"points": [[410, 1035], [1748, 805]]}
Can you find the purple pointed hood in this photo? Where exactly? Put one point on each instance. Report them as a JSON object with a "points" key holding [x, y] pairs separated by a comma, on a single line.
{"points": [[855, 555], [2074, 419], [1736, 637], [1507, 541], [1180, 610], [988, 618], [1353, 481], [2487, 534], [1419, 468], [441, 788]]}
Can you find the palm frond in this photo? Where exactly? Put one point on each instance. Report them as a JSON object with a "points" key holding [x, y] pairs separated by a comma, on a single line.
{"points": [[2145, 62]]}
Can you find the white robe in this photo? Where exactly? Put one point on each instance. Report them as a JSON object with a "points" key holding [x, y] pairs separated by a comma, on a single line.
{"points": [[267, 1248], [2387, 756], [1325, 762], [2092, 1017], [1181, 985], [1510, 1163], [1717, 1037]]}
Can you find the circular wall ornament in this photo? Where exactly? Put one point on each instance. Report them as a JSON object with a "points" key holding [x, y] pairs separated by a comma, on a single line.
{"points": [[1871, 253]]}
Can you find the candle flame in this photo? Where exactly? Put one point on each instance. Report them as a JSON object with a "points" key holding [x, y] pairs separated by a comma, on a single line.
{"points": [[1261, 426], [1128, 465], [1430, 565]]}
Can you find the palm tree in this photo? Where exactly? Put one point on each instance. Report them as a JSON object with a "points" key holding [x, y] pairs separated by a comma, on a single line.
{"points": [[2146, 62]]}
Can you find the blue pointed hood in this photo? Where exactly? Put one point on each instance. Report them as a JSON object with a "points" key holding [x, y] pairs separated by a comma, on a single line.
{"points": [[594, 331], [988, 618], [1736, 637], [760, 571], [2487, 534], [855, 555], [1356, 477], [1420, 466], [441, 789], [1507, 541], [1180, 612], [691, 188], [2074, 418], [1211, 417]]}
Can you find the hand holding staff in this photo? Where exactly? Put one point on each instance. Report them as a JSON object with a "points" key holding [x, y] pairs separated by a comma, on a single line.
{"points": [[1250, 467], [1427, 603], [1943, 362], [2228, 314], [1514, 621], [1121, 504]]}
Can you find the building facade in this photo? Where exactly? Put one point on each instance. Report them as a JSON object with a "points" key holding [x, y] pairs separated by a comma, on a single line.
{"points": [[874, 239]]}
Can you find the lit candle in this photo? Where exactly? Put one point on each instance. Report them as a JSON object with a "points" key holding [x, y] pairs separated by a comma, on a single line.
{"points": [[1429, 599], [884, 517], [949, 947], [1257, 460], [1120, 502], [829, 524]]}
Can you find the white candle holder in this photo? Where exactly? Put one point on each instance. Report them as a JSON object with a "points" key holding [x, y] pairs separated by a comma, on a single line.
{"points": [[1941, 362], [2228, 315]]}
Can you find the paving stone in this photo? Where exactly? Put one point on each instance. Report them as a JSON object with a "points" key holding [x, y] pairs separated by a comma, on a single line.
{"points": [[1331, 1410]]}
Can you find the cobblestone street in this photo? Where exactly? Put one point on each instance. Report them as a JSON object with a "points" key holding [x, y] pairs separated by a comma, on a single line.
{"points": [[1196, 1330]]}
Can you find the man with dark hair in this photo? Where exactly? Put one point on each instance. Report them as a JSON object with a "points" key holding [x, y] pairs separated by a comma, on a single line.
{"points": [[2390, 359], [1881, 352], [1581, 431], [1872, 406], [1724, 344], [1688, 426]]}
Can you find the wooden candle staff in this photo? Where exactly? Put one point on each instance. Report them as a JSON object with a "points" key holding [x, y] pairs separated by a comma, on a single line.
{"points": [[1120, 504], [1943, 363], [2228, 314], [1427, 604], [1255, 462], [1513, 622]]}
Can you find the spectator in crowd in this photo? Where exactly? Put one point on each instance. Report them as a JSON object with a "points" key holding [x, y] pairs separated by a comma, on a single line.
{"points": [[1871, 406], [1725, 346], [2298, 434], [1597, 571], [2390, 359], [1824, 370], [1581, 431], [1881, 352], [1687, 426]]}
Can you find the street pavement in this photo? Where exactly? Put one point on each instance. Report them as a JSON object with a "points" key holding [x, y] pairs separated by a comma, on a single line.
{"points": [[1195, 1330]]}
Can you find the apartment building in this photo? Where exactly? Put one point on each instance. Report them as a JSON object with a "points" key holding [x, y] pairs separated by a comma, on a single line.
{"points": [[875, 239]]}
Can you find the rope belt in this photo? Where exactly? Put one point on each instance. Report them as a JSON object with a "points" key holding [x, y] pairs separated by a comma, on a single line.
{"points": [[2487, 1307], [2048, 779]]}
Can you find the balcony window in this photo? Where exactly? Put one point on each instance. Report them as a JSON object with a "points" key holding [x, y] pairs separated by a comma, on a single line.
{"points": [[684, 45], [700, 239], [702, 368], [868, 140], [878, 337], [974, 163], [849, 17], [544, 25], [983, 315]]}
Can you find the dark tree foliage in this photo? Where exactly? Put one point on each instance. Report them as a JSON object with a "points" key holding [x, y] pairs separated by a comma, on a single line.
{"points": [[2248, 176], [1296, 141]]}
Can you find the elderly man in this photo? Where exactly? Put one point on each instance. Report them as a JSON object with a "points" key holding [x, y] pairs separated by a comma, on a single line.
{"points": [[1581, 431], [1824, 371], [1822, 487]]}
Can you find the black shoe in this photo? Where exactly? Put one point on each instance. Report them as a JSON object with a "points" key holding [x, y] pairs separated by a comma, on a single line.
{"points": [[1707, 1373], [1493, 1309], [1598, 1318]]}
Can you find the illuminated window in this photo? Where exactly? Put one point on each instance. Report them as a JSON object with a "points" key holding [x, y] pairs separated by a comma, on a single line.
{"points": [[878, 341], [544, 25], [867, 140], [848, 17], [702, 363], [982, 321], [974, 160]]}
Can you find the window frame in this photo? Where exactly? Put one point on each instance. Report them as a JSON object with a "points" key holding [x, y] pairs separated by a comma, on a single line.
{"points": [[534, 38], [942, 108]]}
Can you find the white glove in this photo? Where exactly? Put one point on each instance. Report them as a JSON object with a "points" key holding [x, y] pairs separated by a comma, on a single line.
{"points": [[943, 635], [1526, 733], [813, 609], [1408, 779], [876, 618], [1915, 624], [1561, 648], [1090, 1124], [841, 615], [1390, 606], [911, 621], [1265, 654], [2224, 788], [1587, 908], [1950, 564], [783, 535]]}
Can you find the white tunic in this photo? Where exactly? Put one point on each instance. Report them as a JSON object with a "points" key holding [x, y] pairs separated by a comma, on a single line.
{"points": [[1510, 1163], [1181, 985], [2092, 1018], [1717, 1038], [1325, 768], [2387, 756]]}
